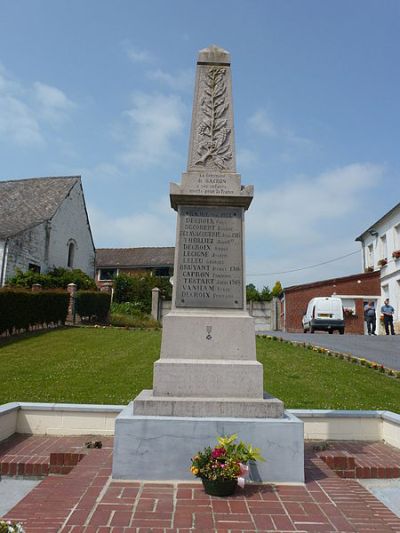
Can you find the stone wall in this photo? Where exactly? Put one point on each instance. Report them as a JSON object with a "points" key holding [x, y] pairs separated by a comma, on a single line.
{"points": [[266, 314], [27, 247], [46, 245], [70, 224]]}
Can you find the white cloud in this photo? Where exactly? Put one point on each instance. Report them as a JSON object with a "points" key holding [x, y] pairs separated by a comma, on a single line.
{"points": [[154, 121], [181, 81], [261, 123], [297, 211], [25, 109], [18, 122], [153, 227], [246, 158], [307, 221], [137, 55], [53, 104], [306, 266]]}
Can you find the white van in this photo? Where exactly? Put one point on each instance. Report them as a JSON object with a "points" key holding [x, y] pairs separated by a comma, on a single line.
{"points": [[324, 314]]}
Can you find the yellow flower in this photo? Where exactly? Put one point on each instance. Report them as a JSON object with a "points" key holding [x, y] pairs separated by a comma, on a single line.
{"points": [[194, 470]]}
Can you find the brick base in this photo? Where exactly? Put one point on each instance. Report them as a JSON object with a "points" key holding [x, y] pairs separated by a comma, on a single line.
{"points": [[373, 461]]}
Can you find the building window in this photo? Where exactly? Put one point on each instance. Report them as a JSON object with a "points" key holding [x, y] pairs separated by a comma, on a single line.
{"points": [[370, 255], [385, 292], [107, 274], [71, 254], [397, 237], [34, 268], [383, 247], [349, 306], [162, 272]]}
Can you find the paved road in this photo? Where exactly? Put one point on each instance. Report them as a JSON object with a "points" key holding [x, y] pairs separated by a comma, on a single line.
{"points": [[382, 349]]}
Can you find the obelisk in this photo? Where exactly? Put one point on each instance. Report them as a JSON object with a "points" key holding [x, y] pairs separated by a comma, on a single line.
{"points": [[208, 365], [207, 381]]}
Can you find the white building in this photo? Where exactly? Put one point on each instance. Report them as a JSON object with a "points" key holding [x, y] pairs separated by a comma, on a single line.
{"points": [[381, 251], [44, 224]]}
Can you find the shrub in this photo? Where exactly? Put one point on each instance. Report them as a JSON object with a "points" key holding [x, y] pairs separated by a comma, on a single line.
{"points": [[129, 315], [126, 308], [21, 309], [92, 305], [127, 321], [58, 278], [137, 289]]}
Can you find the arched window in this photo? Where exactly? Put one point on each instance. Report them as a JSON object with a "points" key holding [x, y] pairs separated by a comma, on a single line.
{"points": [[71, 253]]}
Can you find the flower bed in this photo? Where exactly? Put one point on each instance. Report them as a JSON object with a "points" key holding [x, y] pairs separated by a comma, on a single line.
{"points": [[224, 467]]}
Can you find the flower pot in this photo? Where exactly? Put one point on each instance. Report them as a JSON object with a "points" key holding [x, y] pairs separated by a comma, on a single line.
{"points": [[219, 487]]}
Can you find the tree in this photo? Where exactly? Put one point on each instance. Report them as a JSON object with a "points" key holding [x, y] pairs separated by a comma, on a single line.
{"points": [[266, 295], [252, 293], [277, 289]]}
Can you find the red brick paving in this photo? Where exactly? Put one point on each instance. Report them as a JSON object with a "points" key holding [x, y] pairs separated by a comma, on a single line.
{"points": [[367, 460], [87, 500]]}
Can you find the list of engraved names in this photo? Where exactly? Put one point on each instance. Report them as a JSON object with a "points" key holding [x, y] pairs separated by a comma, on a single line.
{"points": [[210, 270]]}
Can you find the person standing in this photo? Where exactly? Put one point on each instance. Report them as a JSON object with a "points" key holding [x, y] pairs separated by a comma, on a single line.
{"points": [[370, 317], [388, 312]]}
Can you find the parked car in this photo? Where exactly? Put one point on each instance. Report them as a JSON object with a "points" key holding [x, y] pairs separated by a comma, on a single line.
{"points": [[324, 314]]}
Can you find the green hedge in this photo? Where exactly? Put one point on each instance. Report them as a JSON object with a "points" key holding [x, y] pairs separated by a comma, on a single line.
{"points": [[22, 309], [92, 305], [58, 278], [137, 289]]}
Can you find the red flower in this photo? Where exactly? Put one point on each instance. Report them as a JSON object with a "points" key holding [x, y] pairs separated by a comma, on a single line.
{"points": [[218, 452]]}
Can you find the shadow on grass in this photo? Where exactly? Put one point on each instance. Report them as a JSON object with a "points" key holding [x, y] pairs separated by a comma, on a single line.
{"points": [[11, 339]]}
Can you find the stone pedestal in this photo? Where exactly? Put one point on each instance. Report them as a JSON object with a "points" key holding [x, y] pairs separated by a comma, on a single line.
{"points": [[160, 447], [207, 367], [208, 381]]}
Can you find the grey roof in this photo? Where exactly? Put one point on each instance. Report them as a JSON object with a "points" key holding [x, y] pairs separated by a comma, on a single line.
{"points": [[360, 237], [29, 202], [134, 257], [333, 281]]}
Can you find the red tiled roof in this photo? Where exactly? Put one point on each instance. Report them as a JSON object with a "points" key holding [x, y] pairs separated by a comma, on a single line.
{"points": [[135, 257], [361, 276]]}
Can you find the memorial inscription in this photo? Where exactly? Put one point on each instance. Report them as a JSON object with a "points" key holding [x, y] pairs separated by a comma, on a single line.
{"points": [[211, 184], [210, 268]]}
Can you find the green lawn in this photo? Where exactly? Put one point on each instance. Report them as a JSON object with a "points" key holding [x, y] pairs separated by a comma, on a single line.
{"points": [[79, 365], [306, 379], [95, 365]]}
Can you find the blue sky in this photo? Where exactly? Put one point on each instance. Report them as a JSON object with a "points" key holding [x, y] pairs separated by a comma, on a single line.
{"points": [[104, 89]]}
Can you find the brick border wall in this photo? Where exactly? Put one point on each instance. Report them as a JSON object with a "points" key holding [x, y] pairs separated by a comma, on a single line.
{"points": [[358, 286]]}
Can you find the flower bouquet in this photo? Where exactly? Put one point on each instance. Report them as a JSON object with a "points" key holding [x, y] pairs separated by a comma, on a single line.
{"points": [[10, 527], [224, 467]]}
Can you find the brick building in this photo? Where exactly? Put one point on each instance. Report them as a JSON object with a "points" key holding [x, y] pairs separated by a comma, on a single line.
{"points": [[111, 262], [354, 292]]}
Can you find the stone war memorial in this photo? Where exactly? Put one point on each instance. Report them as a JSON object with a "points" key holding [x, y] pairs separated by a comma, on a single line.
{"points": [[207, 381]]}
